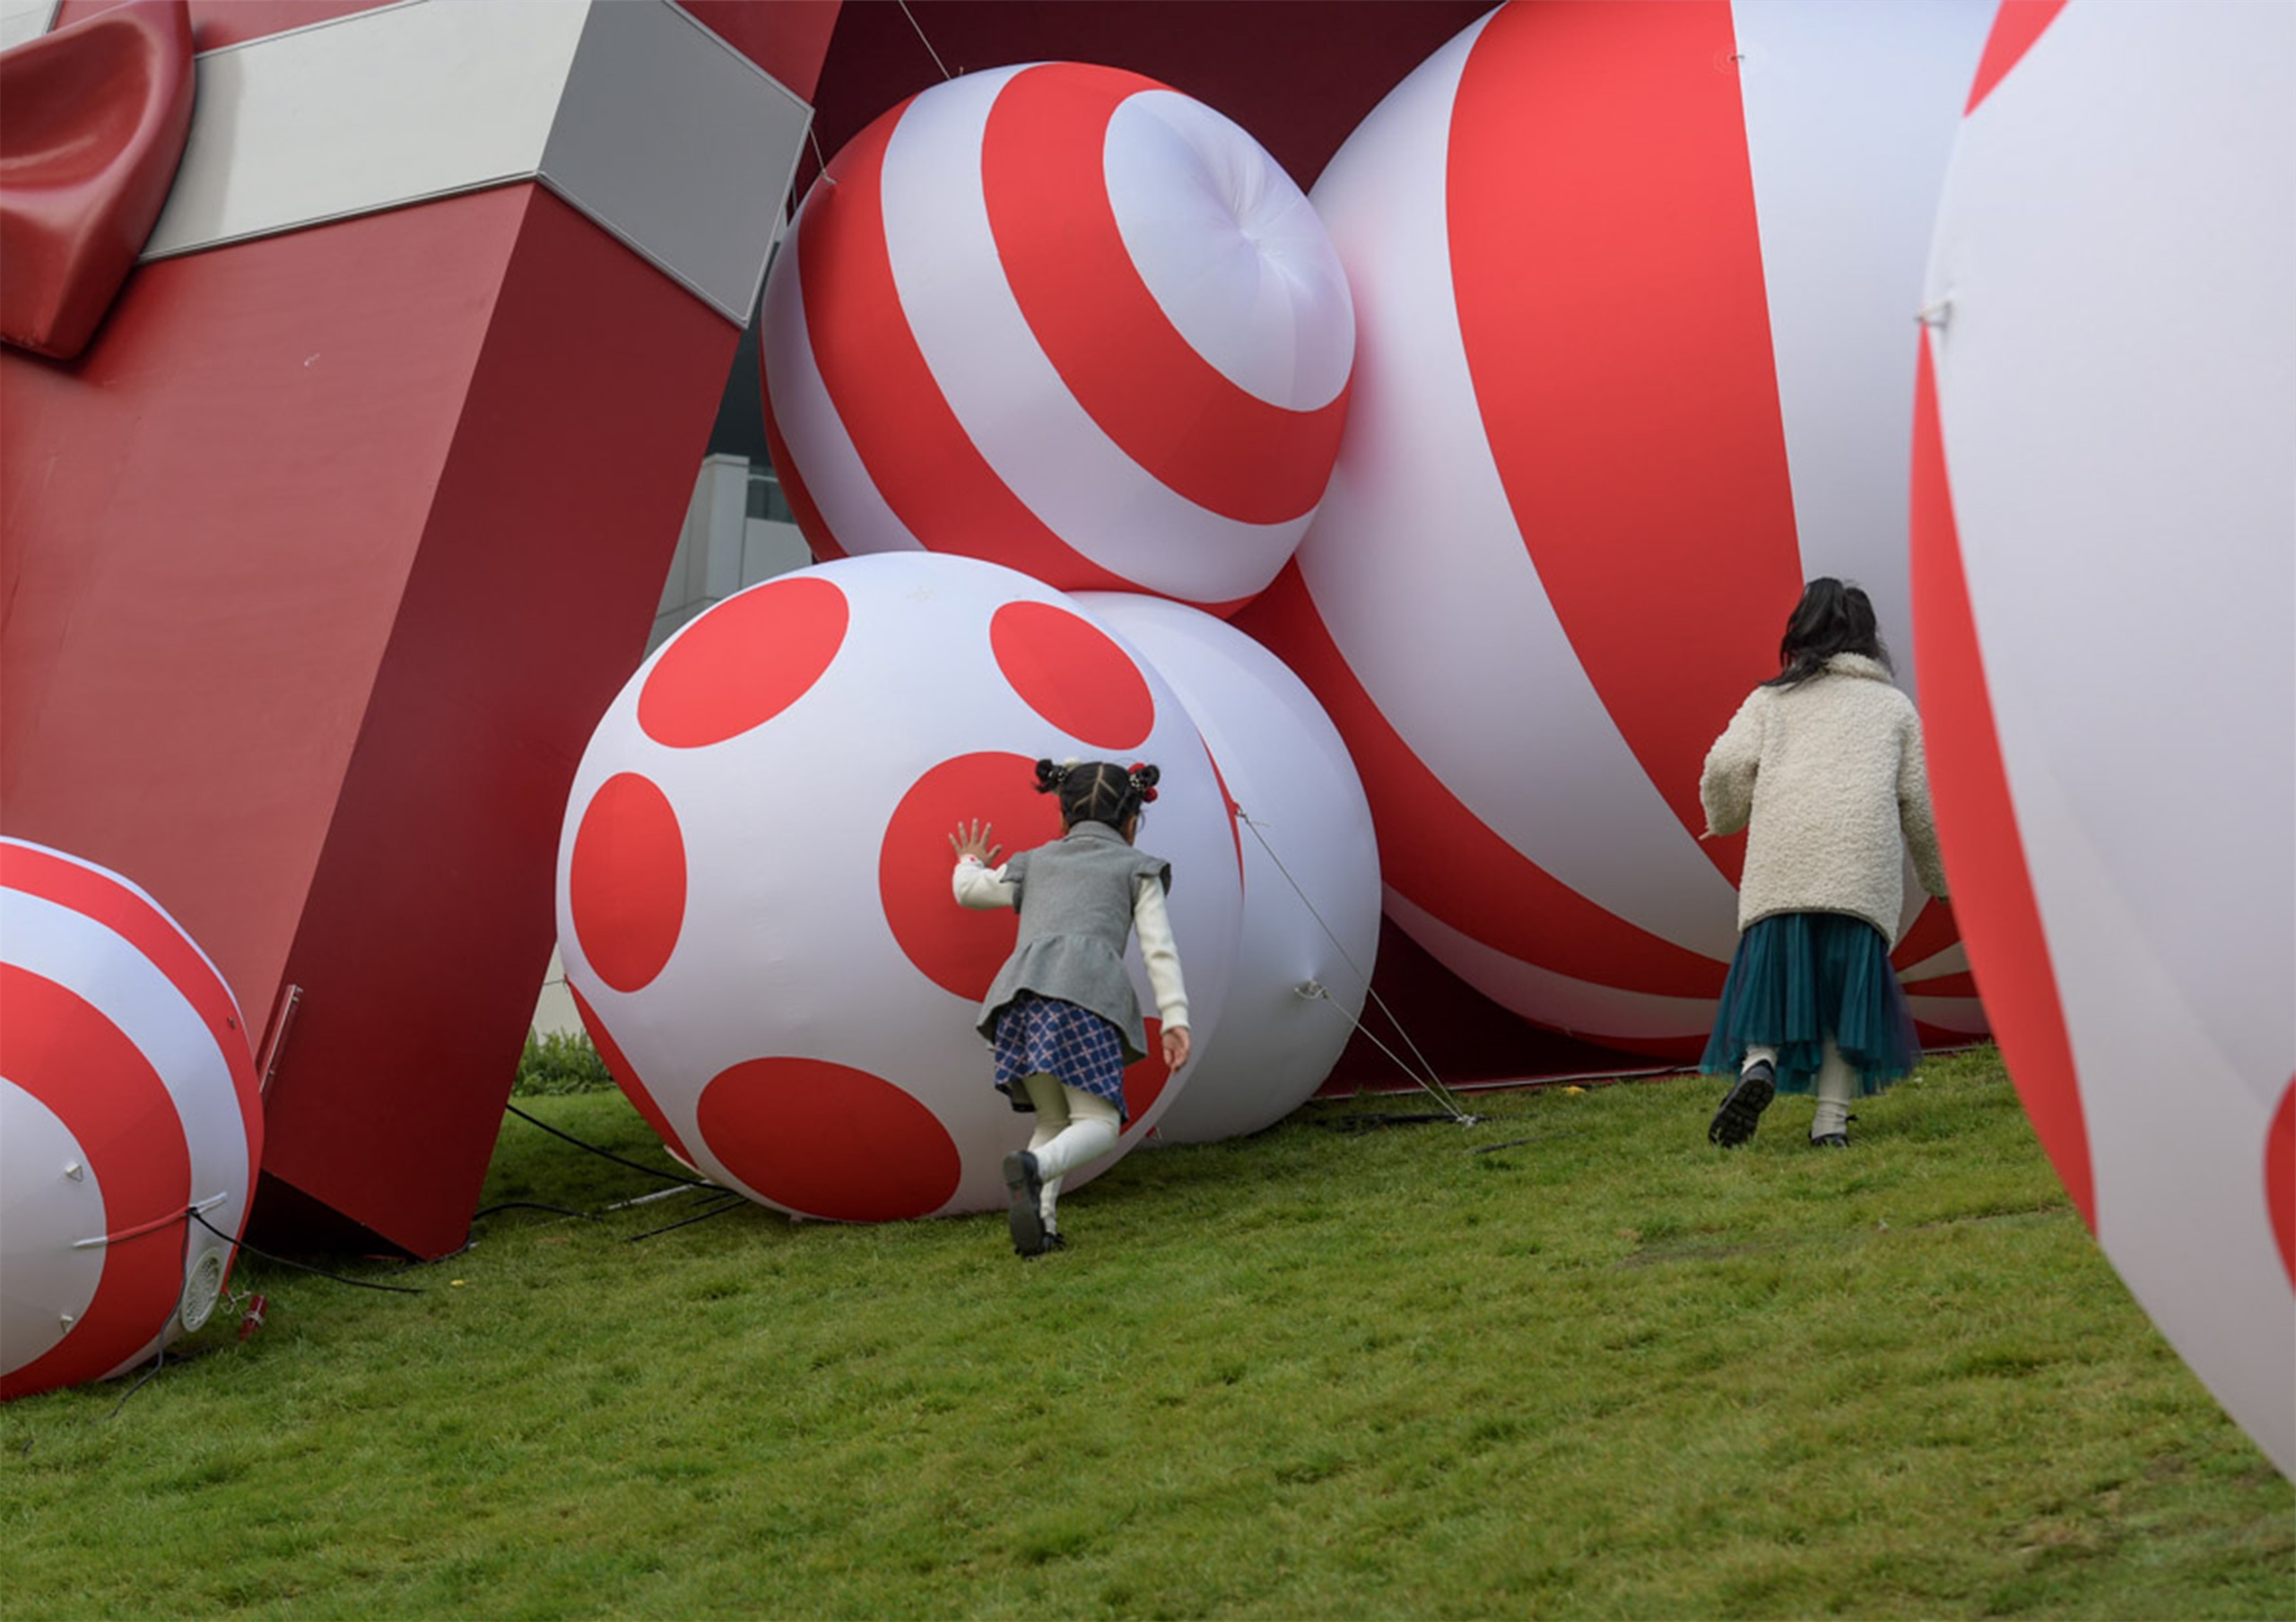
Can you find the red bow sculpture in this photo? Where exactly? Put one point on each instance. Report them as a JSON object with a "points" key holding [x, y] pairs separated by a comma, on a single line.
{"points": [[98, 114]]}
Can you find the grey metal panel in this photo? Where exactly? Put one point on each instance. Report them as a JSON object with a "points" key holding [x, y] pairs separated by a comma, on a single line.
{"points": [[679, 145]]}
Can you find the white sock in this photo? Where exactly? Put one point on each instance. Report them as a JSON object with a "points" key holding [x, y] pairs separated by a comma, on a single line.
{"points": [[1837, 1084], [1089, 1130], [1758, 1055]]}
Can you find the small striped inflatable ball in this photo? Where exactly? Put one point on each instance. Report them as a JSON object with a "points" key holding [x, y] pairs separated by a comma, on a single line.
{"points": [[131, 1127], [1064, 318]]}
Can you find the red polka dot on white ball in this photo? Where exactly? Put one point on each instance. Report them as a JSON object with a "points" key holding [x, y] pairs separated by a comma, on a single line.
{"points": [[1627, 376], [1062, 318], [2105, 497], [130, 1123], [754, 903]]}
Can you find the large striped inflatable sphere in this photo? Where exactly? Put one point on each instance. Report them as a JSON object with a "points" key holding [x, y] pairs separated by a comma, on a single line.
{"points": [[1635, 288], [754, 904], [130, 1125], [2105, 561], [1064, 318], [1311, 923]]}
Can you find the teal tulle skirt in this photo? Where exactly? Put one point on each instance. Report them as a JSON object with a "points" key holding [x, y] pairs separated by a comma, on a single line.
{"points": [[1800, 977]]}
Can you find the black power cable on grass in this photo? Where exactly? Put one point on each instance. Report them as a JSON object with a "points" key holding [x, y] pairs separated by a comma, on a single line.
{"points": [[605, 1154], [397, 1289], [732, 1203]]}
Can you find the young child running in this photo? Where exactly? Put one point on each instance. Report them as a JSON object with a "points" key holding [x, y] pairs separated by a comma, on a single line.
{"points": [[1824, 764], [1061, 1013]]}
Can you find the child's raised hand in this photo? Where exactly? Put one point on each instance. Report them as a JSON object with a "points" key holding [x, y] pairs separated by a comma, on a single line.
{"points": [[974, 842], [1175, 1046]]}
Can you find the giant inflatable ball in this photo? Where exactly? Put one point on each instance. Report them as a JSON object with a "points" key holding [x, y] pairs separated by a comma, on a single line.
{"points": [[1635, 288], [1310, 929], [130, 1124], [2105, 500], [755, 902], [1064, 318]]}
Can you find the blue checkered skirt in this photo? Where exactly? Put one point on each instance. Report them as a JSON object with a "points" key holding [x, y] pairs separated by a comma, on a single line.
{"points": [[1801, 977], [1043, 1036]]}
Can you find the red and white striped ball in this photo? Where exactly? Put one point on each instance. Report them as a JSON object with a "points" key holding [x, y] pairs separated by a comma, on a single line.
{"points": [[753, 883], [1064, 318], [130, 1124], [2105, 560], [1310, 924], [1634, 287]]}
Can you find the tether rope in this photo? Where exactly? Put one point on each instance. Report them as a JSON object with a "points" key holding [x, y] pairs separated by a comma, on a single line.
{"points": [[1424, 1077]]}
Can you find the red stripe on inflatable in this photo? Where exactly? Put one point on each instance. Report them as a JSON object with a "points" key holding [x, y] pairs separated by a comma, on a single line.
{"points": [[1172, 411], [2015, 26], [59, 1048], [802, 506], [2279, 1178], [1932, 933], [915, 449], [1984, 855], [1458, 870], [1608, 273], [101, 897], [1959, 983]]}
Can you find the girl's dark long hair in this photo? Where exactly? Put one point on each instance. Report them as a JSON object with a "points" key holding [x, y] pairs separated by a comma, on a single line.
{"points": [[1830, 618]]}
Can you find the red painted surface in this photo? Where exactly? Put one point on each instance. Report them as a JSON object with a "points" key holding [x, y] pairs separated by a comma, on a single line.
{"points": [[1976, 822], [1101, 327], [1607, 125], [903, 428], [101, 897], [2015, 26], [743, 663], [1300, 76], [58, 1046], [625, 1075], [1072, 672], [828, 1140], [959, 948], [626, 882], [98, 114], [1483, 887], [317, 570], [2280, 1177], [216, 24]]}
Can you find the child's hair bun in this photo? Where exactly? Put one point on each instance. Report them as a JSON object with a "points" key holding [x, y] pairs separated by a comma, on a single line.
{"points": [[1050, 777], [1144, 778]]}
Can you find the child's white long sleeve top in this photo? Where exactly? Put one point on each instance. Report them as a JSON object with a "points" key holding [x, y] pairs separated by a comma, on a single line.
{"points": [[984, 889]]}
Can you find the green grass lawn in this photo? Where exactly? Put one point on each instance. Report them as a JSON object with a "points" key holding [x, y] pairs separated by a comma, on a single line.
{"points": [[1569, 1362]]}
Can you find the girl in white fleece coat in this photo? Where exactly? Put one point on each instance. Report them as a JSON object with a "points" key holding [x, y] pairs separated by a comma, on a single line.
{"points": [[1823, 766]]}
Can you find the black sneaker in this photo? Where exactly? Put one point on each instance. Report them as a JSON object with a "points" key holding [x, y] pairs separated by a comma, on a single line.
{"points": [[1830, 1141], [1742, 1105], [1025, 1215]]}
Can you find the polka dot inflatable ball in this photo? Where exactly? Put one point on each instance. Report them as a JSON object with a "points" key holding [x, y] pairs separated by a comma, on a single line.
{"points": [[754, 901], [2103, 575], [1064, 318], [130, 1124], [1634, 288], [1310, 930]]}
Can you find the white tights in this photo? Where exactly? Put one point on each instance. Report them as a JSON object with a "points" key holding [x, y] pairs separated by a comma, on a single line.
{"points": [[1837, 1085], [1073, 1128]]}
